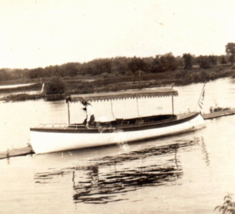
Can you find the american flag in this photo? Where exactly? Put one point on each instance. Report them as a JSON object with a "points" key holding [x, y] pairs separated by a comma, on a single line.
{"points": [[201, 100]]}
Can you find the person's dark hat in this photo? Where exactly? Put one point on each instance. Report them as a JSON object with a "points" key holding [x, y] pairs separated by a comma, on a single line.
{"points": [[84, 102], [68, 99]]}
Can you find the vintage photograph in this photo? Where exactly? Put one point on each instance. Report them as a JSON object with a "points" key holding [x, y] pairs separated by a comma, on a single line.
{"points": [[113, 106]]}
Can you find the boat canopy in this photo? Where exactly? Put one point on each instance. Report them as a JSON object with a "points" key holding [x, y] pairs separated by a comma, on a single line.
{"points": [[146, 93]]}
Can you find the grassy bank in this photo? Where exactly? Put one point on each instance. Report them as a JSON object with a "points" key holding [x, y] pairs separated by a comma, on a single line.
{"points": [[124, 82], [90, 84], [23, 97]]}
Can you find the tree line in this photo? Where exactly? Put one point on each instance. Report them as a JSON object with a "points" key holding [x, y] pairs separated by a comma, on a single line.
{"points": [[124, 66]]}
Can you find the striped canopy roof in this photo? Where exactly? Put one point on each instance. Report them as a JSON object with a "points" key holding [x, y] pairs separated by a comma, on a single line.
{"points": [[130, 94]]}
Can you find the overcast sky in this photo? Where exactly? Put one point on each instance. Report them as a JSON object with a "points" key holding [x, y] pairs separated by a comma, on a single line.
{"points": [[39, 33]]}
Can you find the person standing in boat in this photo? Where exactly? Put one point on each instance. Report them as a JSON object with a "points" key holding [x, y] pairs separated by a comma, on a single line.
{"points": [[90, 117]]}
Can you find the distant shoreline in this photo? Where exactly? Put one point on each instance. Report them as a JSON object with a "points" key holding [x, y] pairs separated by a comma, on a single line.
{"points": [[82, 84]]}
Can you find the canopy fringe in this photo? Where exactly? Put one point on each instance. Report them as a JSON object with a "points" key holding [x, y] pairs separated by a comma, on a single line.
{"points": [[151, 93]]}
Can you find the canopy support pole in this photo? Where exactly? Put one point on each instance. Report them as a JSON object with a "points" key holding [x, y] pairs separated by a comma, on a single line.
{"points": [[137, 106], [68, 113], [112, 110], [172, 101]]}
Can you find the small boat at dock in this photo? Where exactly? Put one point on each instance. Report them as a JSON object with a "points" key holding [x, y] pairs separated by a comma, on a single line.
{"points": [[46, 139]]}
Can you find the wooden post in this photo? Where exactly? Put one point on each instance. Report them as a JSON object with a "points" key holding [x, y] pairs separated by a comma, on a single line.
{"points": [[68, 114], [172, 100], [112, 109], [137, 106]]}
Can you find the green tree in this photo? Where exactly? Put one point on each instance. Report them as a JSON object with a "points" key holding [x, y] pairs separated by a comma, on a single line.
{"points": [[55, 86], [148, 63], [99, 66], [35, 73], [230, 50], [119, 65], [166, 62], [180, 61], [136, 64], [222, 59], [188, 61], [4, 75], [213, 59], [156, 65], [204, 62], [70, 69]]}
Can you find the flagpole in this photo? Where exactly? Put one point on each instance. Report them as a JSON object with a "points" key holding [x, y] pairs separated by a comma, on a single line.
{"points": [[200, 95]]}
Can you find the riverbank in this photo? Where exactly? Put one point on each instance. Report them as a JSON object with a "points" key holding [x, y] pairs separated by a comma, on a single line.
{"points": [[81, 84]]}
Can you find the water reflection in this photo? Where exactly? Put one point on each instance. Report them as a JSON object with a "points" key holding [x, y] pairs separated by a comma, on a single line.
{"points": [[106, 187], [204, 150], [107, 179]]}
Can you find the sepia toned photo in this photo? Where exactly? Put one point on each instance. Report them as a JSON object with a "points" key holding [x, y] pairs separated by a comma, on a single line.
{"points": [[113, 106]]}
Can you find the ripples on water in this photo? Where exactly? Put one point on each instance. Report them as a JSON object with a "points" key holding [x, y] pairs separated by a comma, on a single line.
{"points": [[106, 179]]}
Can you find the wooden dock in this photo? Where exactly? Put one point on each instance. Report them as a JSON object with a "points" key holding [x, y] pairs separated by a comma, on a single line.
{"points": [[28, 150], [16, 152], [217, 114]]}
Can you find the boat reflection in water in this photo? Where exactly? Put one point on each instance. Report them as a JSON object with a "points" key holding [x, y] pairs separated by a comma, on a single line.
{"points": [[107, 179]]}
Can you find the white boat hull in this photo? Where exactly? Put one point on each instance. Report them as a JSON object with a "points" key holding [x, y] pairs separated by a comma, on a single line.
{"points": [[54, 141]]}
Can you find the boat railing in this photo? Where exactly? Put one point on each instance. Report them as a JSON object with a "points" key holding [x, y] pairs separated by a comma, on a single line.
{"points": [[53, 125]]}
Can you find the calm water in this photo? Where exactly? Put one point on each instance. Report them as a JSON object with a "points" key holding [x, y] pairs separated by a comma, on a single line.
{"points": [[189, 173]]}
